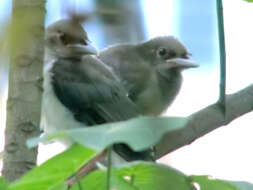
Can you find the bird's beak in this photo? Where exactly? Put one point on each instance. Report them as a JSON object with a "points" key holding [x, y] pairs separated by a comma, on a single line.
{"points": [[83, 49], [181, 63]]}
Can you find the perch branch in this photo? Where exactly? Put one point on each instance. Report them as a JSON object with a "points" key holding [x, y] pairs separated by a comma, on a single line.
{"points": [[206, 120]]}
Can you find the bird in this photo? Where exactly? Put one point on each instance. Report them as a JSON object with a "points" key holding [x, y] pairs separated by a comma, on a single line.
{"points": [[151, 71], [79, 89]]}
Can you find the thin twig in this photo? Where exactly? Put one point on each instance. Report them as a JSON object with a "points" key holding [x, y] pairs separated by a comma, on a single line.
{"points": [[85, 169]]}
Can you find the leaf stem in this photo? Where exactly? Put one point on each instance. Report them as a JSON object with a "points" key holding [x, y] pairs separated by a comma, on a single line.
{"points": [[109, 165], [222, 49]]}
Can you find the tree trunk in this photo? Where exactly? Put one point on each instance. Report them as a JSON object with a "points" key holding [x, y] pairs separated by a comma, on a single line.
{"points": [[24, 95]]}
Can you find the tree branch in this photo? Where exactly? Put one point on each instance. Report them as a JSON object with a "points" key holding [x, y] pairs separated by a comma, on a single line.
{"points": [[206, 120]]}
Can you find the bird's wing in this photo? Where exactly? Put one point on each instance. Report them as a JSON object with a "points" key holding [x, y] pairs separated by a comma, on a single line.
{"points": [[91, 92], [128, 66]]}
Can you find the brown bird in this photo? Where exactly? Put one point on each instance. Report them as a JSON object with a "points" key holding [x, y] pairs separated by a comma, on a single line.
{"points": [[79, 89], [150, 71]]}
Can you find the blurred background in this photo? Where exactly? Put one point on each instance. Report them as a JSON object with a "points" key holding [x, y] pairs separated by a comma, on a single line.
{"points": [[224, 153]]}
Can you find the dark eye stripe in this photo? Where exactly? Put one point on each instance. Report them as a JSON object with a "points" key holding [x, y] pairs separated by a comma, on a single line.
{"points": [[64, 39], [82, 41]]}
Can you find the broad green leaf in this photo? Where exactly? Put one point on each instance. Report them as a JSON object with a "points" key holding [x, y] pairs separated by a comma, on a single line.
{"points": [[140, 133], [249, 0], [54, 171], [150, 176], [3, 184], [207, 183], [97, 181], [59, 186], [138, 176]]}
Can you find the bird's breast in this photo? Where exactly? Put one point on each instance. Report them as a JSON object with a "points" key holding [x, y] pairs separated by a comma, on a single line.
{"points": [[158, 94], [149, 99]]}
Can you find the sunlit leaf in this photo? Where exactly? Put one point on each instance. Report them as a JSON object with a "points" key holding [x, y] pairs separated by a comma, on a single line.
{"points": [[139, 134], [53, 172], [208, 183], [139, 176], [145, 175], [3, 184], [59, 186], [97, 181]]}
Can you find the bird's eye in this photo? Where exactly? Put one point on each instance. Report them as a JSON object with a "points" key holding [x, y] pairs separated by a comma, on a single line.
{"points": [[64, 39], [162, 51]]}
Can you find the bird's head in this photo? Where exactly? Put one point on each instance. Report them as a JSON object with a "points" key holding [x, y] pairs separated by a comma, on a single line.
{"points": [[67, 38], [166, 53]]}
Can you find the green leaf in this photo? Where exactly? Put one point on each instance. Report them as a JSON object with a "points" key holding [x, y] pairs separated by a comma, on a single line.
{"points": [[207, 183], [150, 176], [3, 184], [138, 176], [140, 133], [97, 181], [59, 186], [53, 172], [249, 1]]}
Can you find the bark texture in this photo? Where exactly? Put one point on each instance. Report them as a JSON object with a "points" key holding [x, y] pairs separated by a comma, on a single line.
{"points": [[24, 94]]}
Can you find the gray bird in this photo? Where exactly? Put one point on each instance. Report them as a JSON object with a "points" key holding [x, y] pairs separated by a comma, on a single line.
{"points": [[79, 89], [150, 71]]}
